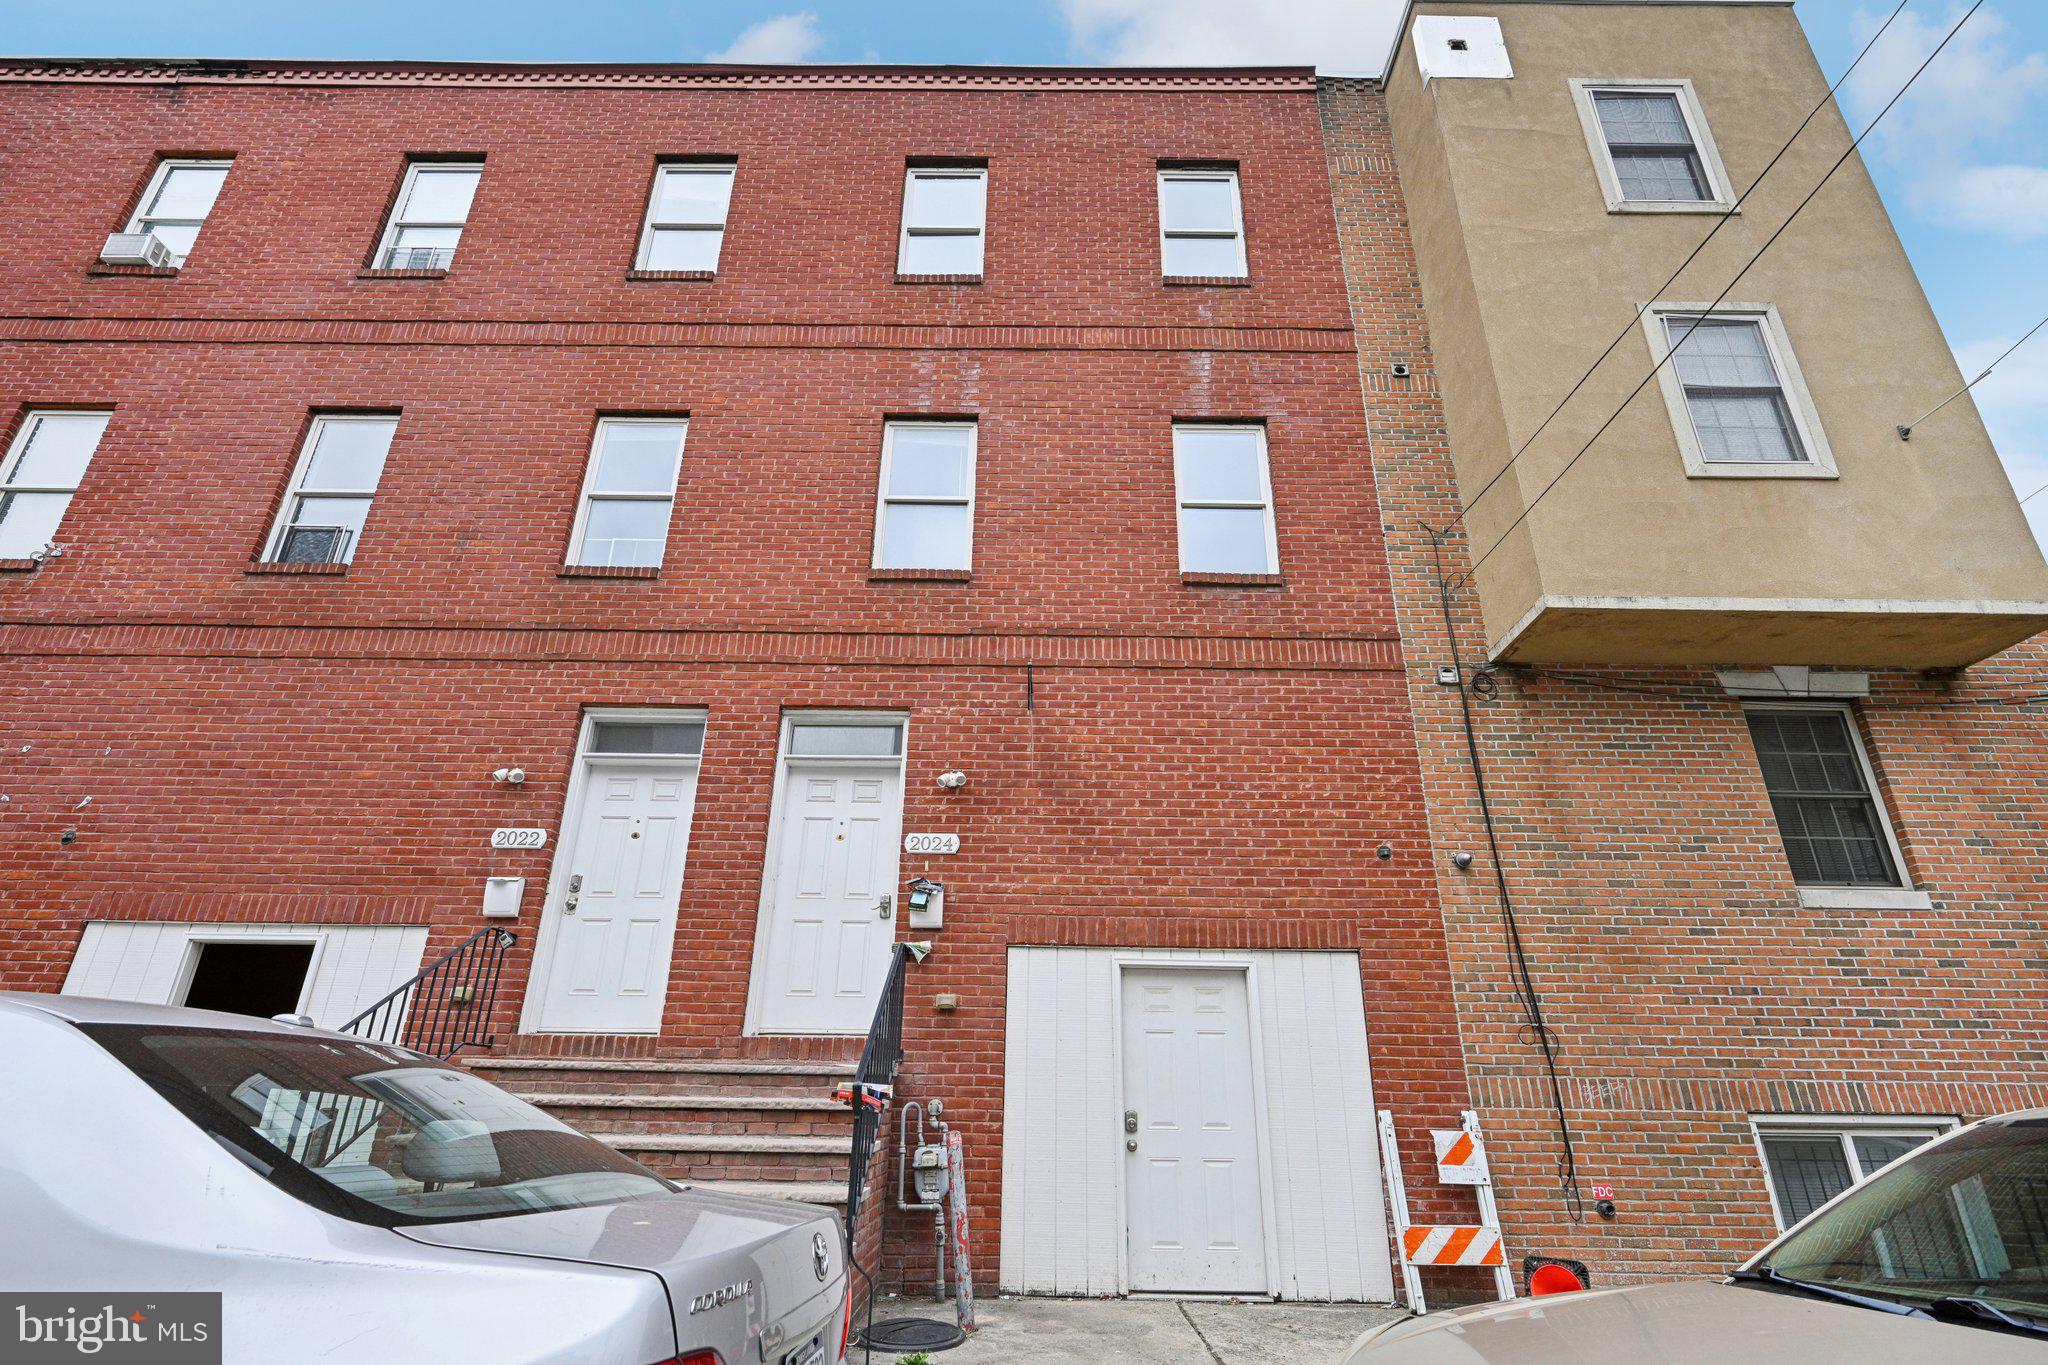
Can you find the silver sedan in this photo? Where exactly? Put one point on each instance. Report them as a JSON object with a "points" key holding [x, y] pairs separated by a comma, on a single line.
{"points": [[350, 1201]]}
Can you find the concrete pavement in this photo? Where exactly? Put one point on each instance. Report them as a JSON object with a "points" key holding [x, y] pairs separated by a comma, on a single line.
{"points": [[1033, 1331]]}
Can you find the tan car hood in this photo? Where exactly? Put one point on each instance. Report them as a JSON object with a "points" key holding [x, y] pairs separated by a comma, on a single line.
{"points": [[1688, 1322]]}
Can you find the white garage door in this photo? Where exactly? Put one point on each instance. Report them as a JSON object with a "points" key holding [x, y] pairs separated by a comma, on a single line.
{"points": [[1255, 1158], [352, 965]]}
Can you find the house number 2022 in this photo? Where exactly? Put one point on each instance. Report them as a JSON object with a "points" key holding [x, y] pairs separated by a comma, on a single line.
{"points": [[519, 838]]}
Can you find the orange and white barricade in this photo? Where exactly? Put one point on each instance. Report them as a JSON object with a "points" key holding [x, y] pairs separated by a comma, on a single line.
{"points": [[1461, 1160]]}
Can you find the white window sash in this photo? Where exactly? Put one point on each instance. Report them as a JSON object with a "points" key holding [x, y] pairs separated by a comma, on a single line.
{"points": [[912, 230], [32, 421], [591, 495], [1720, 191], [142, 220], [297, 492], [1233, 234], [654, 224], [399, 222], [1264, 504], [1806, 426], [884, 499]]}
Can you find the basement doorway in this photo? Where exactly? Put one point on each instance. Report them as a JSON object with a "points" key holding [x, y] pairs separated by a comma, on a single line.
{"points": [[260, 979]]}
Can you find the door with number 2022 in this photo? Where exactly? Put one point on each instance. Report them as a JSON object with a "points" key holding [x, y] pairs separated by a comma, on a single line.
{"points": [[829, 920], [613, 915]]}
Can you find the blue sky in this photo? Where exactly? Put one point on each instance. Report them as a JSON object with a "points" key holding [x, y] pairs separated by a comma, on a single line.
{"points": [[1963, 162]]}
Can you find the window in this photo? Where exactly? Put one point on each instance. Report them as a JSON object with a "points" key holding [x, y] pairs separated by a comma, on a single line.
{"points": [[628, 492], [925, 516], [1226, 500], [684, 738], [1738, 403], [179, 197], [845, 739], [1834, 831], [1810, 1162], [686, 217], [427, 221], [1201, 224], [331, 488], [41, 472], [943, 212], [1650, 147]]}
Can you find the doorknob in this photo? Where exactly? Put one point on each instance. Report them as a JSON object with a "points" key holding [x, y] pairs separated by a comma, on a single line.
{"points": [[886, 908], [575, 894]]}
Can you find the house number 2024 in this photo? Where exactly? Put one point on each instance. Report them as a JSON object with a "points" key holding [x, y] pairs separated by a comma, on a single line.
{"points": [[931, 843], [519, 838]]}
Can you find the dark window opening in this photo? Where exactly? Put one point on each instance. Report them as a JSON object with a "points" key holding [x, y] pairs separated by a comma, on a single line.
{"points": [[1827, 815], [260, 979]]}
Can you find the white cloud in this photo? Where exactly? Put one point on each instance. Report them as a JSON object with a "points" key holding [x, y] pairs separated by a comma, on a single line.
{"points": [[1976, 89], [1347, 36], [785, 38], [2010, 201]]}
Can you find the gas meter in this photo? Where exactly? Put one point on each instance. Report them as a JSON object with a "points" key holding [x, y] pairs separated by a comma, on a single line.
{"points": [[928, 1173]]}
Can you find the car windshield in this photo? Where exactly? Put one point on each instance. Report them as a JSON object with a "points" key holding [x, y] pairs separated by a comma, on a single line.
{"points": [[376, 1133], [1967, 1219]]}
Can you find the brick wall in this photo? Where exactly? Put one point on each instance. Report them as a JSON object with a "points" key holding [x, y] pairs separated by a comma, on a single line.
{"points": [[1687, 989], [1150, 763]]}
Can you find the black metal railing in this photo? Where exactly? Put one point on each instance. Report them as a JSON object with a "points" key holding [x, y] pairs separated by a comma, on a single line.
{"points": [[878, 1062], [448, 1006]]}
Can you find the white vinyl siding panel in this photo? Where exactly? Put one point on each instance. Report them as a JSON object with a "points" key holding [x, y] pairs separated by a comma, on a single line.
{"points": [[1063, 1203], [355, 966]]}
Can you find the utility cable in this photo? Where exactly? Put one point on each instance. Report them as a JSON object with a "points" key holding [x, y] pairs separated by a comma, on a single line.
{"points": [[1673, 350], [1906, 431], [1719, 223], [1522, 980]]}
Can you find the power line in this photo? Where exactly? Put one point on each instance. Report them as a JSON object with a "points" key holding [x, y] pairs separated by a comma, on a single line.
{"points": [[2035, 494], [1658, 368], [1906, 431], [1719, 223]]}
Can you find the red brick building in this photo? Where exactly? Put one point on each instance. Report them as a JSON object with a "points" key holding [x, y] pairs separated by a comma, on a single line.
{"points": [[696, 465]]}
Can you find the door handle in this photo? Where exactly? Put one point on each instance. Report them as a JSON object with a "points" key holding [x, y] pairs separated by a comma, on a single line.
{"points": [[1130, 1120], [886, 908], [575, 894]]}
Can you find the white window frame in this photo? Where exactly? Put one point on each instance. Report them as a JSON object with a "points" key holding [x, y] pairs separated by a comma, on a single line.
{"points": [[1721, 193], [940, 170], [883, 498], [395, 220], [1229, 173], [1903, 895], [1820, 456], [273, 545], [1842, 1127], [648, 224], [18, 448], [1181, 502], [588, 494], [143, 221]]}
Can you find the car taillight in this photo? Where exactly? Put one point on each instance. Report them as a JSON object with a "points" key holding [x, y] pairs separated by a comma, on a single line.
{"points": [[1553, 1279], [846, 1323]]}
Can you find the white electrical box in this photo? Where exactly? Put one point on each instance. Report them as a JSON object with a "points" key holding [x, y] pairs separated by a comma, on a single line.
{"points": [[502, 896], [1461, 45]]}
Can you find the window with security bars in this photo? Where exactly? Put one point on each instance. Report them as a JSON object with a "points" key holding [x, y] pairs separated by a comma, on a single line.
{"points": [[1809, 1166], [1733, 390], [628, 492], [1821, 791], [40, 474], [428, 218], [1651, 147], [331, 489]]}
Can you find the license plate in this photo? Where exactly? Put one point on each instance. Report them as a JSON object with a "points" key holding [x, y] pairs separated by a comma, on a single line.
{"points": [[810, 1353]]}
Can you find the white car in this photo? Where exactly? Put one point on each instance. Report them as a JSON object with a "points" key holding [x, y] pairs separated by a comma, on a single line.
{"points": [[1942, 1256], [352, 1201]]}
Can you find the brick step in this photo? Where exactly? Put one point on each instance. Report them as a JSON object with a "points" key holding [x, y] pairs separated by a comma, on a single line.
{"points": [[752, 1144], [773, 1157], [791, 1104], [683, 1121], [523, 1075]]}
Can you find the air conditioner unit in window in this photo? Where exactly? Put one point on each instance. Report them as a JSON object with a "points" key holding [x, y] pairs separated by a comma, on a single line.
{"points": [[137, 248], [314, 545]]}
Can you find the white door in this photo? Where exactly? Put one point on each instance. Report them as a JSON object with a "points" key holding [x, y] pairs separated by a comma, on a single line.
{"points": [[1191, 1167], [829, 923], [614, 912]]}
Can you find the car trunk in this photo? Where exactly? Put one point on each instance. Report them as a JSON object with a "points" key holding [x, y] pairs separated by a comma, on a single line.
{"points": [[739, 1271]]}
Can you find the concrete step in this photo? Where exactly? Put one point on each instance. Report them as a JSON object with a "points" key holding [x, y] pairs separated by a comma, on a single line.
{"points": [[750, 1144], [828, 1193], [556, 1076], [793, 1104]]}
